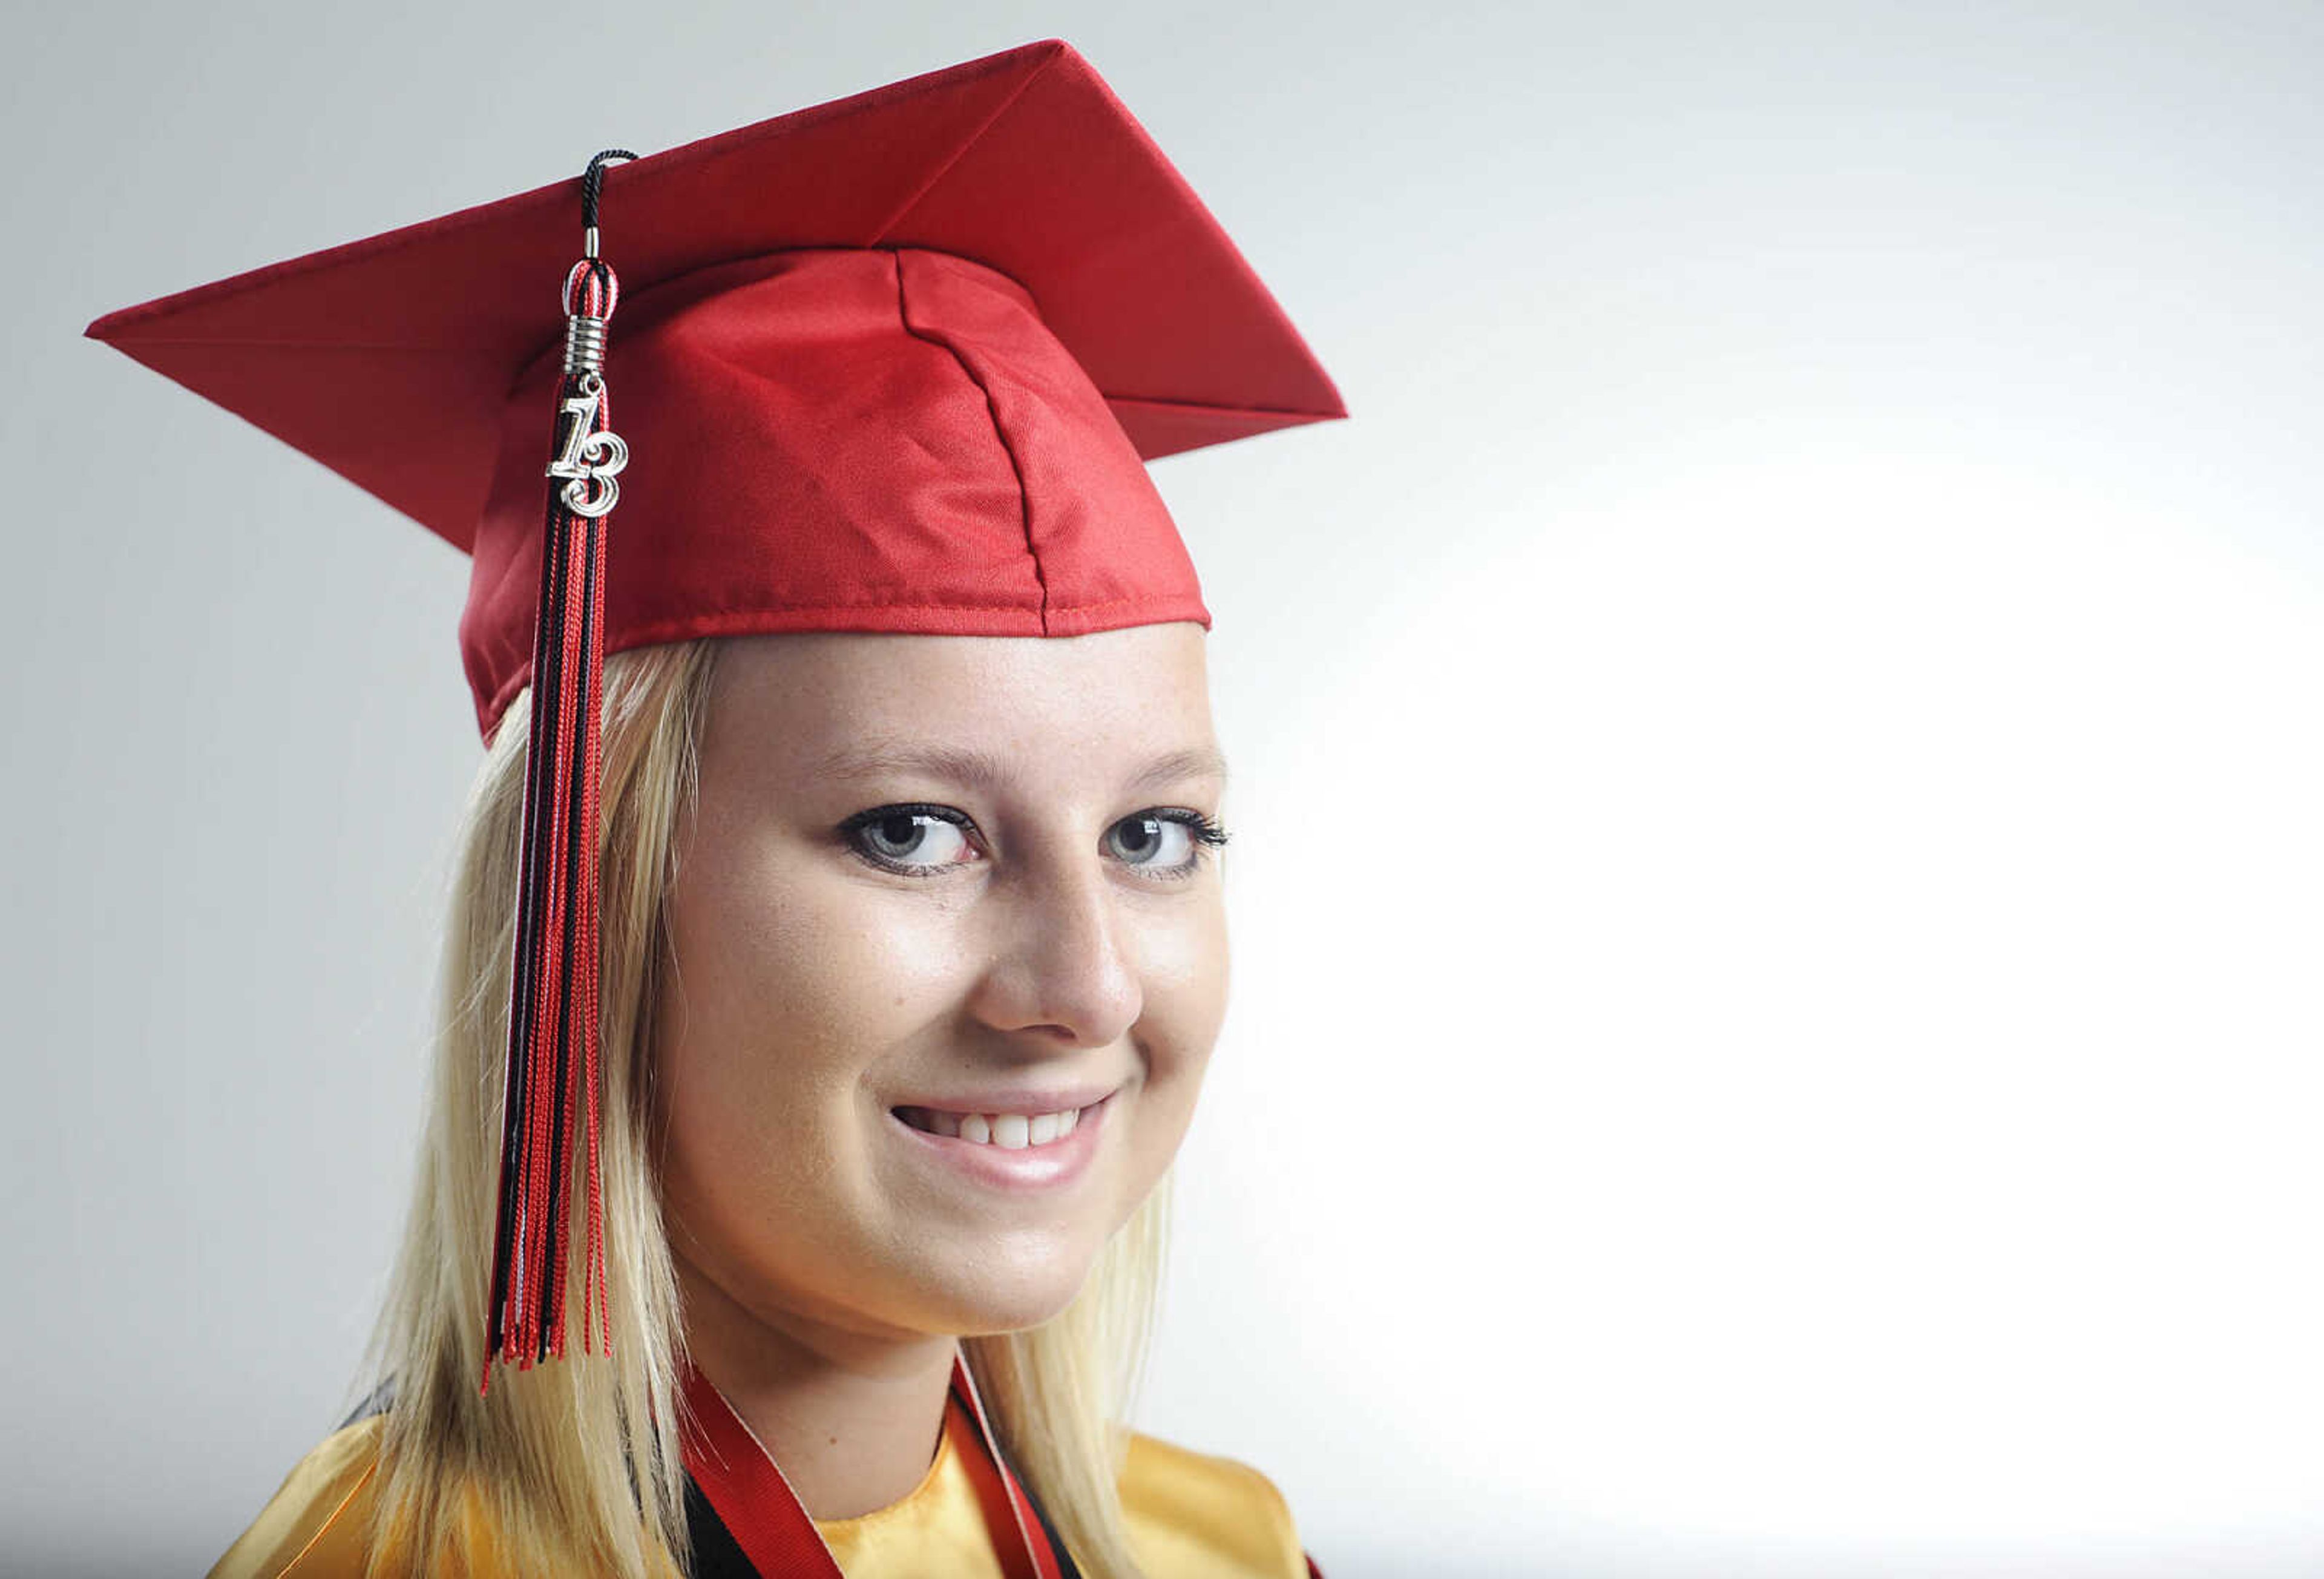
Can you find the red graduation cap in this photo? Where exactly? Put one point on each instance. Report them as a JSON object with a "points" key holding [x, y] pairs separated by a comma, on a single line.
{"points": [[894, 362]]}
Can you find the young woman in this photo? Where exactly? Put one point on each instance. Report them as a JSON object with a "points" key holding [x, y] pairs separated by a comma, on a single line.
{"points": [[838, 940]]}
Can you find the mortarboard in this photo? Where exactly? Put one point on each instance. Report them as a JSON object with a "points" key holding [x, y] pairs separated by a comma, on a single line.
{"points": [[894, 362]]}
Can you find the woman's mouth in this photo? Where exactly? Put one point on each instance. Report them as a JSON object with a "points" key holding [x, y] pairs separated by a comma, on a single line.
{"points": [[1009, 1131], [1008, 1151]]}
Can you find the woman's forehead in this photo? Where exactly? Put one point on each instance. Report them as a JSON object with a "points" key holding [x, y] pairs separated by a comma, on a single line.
{"points": [[862, 705]]}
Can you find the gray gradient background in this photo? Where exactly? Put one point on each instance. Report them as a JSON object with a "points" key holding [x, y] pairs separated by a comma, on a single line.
{"points": [[1777, 885]]}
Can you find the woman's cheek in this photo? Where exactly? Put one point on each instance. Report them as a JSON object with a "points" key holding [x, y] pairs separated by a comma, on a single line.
{"points": [[1186, 974]]}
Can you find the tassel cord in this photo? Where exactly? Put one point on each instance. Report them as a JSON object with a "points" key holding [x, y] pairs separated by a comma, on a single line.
{"points": [[554, 1063]]}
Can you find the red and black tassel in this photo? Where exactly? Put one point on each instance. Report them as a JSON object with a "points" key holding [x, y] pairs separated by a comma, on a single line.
{"points": [[553, 1053]]}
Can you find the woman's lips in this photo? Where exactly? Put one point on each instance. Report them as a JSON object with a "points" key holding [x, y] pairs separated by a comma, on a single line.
{"points": [[998, 1149]]}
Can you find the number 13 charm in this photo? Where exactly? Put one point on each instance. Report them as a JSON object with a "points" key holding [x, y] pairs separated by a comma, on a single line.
{"points": [[589, 458]]}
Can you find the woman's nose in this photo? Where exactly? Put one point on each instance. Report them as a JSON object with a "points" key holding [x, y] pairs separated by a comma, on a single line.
{"points": [[1063, 960]]}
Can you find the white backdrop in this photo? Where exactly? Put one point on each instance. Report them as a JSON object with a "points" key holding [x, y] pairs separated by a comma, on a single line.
{"points": [[1778, 890]]}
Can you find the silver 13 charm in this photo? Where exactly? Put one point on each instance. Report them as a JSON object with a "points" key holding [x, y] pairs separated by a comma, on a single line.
{"points": [[589, 458]]}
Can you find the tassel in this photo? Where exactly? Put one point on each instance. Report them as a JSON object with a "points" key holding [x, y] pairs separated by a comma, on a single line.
{"points": [[553, 1052]]}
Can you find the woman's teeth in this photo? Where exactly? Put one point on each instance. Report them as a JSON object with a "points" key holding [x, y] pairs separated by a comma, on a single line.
{"points": [[1009, 1131]]}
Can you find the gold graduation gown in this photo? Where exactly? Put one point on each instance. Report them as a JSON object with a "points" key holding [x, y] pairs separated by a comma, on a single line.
{"points": [[1189, 1516]]}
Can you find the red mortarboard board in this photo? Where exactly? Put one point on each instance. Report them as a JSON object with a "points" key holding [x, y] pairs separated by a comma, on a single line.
{"points": [[894, 362], [1013, 255]]}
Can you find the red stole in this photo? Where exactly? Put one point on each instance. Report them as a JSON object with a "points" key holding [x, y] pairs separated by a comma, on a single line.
{"points": [[747, 1490]]}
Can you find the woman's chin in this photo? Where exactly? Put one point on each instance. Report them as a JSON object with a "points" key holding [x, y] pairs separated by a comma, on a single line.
{"points": [[1008, 1288]]}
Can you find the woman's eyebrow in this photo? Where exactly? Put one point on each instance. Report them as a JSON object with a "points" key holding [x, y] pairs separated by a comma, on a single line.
{"points": [[1195, 762], [983, 769]]}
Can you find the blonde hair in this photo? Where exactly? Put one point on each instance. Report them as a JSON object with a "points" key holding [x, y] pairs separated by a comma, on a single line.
{"points": [[576, 1465]]}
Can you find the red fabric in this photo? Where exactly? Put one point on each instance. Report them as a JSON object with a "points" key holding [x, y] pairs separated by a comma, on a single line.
{"points": [[1035, 1554], [838, 440], [753, 1500], [941, 287]]}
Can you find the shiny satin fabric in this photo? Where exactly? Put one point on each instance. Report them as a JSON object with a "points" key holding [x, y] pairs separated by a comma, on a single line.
{"points": [[837, 439], [1189, 1516], [893, 363]]}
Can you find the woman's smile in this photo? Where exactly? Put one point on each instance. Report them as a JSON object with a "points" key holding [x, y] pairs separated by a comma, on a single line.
{"points": [[1045, 1146]]}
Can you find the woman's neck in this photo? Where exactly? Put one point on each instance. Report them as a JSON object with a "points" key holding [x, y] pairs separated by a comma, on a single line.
{"points": [[851, 1420]]}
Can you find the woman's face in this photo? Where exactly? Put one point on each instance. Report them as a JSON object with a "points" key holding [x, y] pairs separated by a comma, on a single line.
{"points": [[939, 893]]}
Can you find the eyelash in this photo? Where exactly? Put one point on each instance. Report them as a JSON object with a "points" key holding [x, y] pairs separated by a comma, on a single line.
{"points": [[1206, 834]]}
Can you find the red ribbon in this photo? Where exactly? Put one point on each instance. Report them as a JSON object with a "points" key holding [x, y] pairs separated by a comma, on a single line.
{"points": [[751, 1498]]}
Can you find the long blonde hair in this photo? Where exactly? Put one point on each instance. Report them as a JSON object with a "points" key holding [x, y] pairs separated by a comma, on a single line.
{"points": [[575, 1466]]}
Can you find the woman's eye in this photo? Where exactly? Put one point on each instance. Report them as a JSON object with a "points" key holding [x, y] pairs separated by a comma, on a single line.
{"points": [[917, 839], [911, 837], [1170, 843]]}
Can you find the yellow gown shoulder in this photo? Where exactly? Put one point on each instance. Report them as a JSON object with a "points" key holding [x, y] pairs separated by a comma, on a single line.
{"points": [[1189, 1516], [1192, 1513], [313, 1528]]}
